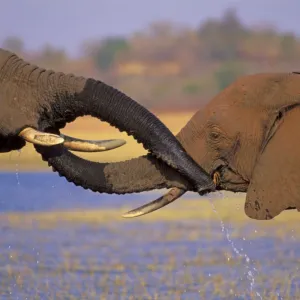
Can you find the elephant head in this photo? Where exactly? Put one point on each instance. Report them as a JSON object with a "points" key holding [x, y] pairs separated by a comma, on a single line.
{"points": [[246, 138], [36, 103]]}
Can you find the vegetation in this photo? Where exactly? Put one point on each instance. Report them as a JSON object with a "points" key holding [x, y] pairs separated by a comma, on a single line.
{"points": [[183, 210], [175, 253]]}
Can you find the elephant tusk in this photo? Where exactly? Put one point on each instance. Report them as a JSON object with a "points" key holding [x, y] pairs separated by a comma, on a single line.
{"points": [[216, 178], [40, 138], [90, 145], [162, 201]]}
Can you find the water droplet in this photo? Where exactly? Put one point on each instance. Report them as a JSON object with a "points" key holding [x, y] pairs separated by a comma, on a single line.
{"points": [[17, 169], [248, 266]]}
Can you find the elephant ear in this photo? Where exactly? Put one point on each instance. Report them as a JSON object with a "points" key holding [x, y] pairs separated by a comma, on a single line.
{"points": [[275, 182]]}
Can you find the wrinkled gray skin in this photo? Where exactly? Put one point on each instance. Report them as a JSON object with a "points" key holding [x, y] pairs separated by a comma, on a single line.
{"points": [[248, 134], [44, 100]]}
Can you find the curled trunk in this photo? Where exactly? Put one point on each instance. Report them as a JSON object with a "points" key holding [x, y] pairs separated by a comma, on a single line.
{"points": [[51, 99], [132, 176], [95, 98]]}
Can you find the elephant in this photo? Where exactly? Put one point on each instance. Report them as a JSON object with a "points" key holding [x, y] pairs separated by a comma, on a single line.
{"points": [[245, 138], [36, 103]]}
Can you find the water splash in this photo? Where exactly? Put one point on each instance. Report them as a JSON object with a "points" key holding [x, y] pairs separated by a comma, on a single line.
{"points": [[17, 168], [250, 270]]}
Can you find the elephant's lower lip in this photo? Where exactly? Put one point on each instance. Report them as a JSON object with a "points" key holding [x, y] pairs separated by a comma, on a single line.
{"points": [[220, 181], [221, 184], [234, 186], [235, 183]]}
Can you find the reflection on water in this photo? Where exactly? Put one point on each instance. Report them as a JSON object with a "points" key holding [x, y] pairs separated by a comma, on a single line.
{"points": [[184, 259]]}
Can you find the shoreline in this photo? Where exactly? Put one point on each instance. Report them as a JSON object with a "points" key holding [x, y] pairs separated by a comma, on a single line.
{"points": [[190, 211]]}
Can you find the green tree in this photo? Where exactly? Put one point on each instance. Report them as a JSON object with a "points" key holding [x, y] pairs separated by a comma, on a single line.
{"points": [[221, 38], [51, 56], [106, 53], [14, 44], [191, 88], [228, 73], [289, 46]]}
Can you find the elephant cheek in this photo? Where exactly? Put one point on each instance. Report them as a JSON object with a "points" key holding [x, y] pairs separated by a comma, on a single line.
{"points": [[210, 161], [201, 154]]}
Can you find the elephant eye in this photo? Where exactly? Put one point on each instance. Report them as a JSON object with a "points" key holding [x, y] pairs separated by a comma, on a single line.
{"points": [[214, 135]]}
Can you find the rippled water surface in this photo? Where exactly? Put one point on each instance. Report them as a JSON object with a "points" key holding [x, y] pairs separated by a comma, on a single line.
{"points": [[131, 259]]}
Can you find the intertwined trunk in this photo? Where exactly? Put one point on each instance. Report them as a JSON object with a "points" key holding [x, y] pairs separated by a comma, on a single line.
{"points": [[132, 176], [46, 100], [73, 96]]}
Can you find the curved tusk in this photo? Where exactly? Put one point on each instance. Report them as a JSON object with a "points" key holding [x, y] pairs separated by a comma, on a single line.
{"points": [[90, 145], [162, 201], [40, 138], [216, 178]]}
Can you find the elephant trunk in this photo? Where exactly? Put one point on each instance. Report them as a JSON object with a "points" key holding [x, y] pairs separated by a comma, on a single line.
{"points": [[140, 174], [77, 96], [132, 176]]}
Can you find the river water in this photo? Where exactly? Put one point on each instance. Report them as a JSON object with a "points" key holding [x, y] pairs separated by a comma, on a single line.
{"points": [[183, 259]]}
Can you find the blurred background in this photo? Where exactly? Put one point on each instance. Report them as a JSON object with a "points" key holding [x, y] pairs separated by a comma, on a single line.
{"points": [[59, 241], [159, 53]]}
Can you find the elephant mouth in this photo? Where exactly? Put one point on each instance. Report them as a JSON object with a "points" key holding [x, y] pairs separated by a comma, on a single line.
{"points": [[227, 178], [223, 176], [167, 199]]}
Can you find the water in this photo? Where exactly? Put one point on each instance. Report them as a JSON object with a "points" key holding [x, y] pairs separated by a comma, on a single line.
{"points": [[250, 270], [183, 259], [29, 192]]}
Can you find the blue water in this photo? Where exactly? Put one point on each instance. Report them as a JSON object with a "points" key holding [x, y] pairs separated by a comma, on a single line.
{"points": [[47, 191], [162, 260]]}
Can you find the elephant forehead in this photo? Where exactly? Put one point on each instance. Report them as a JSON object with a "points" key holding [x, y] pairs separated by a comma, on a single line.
{"points": [[234, 119], [245, 98], [250, 90], [221, 112]]}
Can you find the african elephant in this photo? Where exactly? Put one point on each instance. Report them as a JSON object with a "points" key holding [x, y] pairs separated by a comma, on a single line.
{"points": [[246, 138], [36, 103]]}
